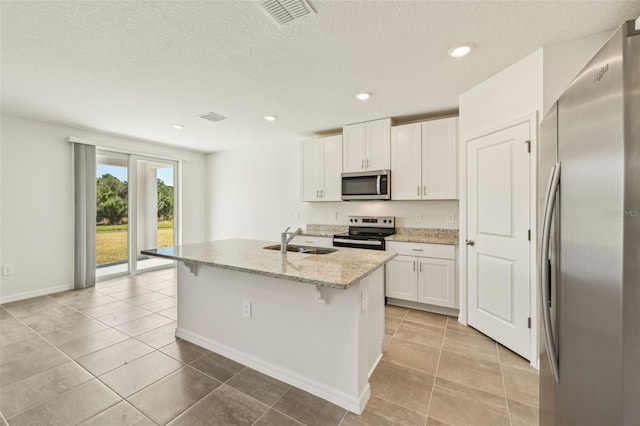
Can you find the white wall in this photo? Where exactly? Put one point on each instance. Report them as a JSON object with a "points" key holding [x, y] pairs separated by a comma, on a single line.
{"points": [[514, 94], [562, 62], [255, 193], [37, 201], [528, 87]]}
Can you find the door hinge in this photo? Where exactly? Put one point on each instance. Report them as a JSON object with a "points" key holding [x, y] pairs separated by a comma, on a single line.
{"points": [[529, 234], [529, 322], [528, 146]]}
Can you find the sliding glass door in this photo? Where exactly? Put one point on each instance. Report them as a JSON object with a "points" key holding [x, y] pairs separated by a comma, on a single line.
{"points": [[155, 210], [136, 210], [112, 214]]}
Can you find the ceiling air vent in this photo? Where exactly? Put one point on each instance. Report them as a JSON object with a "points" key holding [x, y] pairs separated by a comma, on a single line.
{"points": [[213, 117], [285, 11]]}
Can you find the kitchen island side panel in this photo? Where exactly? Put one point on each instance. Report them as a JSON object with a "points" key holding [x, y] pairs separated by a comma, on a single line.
{"points": [[321, 348]]}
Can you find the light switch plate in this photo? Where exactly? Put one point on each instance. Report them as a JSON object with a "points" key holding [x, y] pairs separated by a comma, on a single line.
{"points": [[419, 218], [8, 270]]}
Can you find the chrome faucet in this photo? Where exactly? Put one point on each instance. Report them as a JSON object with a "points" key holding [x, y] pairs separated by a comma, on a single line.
{"points": [[287, 236]]}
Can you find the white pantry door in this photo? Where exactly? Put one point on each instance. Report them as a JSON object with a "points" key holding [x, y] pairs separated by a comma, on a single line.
{"points": [[498, 215]]}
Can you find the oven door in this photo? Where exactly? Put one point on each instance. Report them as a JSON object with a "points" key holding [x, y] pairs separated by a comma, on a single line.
{"points": [[366, 185], [362, 243]]}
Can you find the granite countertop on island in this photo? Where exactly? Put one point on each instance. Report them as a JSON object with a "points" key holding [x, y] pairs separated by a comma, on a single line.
{"points": [[340, 269]]}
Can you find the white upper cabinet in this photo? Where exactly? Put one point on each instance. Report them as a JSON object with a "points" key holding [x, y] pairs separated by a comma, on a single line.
{"points": [[424, 160], [366, 146], [440, 159], [353, 147], [406, 162], [321, 167], [332, 168]]}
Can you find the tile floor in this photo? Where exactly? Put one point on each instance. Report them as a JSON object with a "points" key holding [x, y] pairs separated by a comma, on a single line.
{"points": [[108, 356]]}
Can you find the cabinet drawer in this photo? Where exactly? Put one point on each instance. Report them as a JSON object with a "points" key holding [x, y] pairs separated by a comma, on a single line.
{"points": [[441, 251], [304, 240]]}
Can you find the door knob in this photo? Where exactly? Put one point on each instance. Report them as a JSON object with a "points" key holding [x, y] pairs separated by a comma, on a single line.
{"points": [[471, 243]]}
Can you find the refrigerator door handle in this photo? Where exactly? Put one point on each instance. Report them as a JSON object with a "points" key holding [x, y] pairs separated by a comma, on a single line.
{"points": [[552, 191]]}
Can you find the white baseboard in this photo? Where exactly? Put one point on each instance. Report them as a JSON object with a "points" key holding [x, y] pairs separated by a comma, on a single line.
{"points": [[338, 397], [375, 364], [423, 307], [34, 293]]}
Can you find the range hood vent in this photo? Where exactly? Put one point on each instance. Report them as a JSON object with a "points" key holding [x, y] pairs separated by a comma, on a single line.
{"points": [[213, 117], [284, 12]]}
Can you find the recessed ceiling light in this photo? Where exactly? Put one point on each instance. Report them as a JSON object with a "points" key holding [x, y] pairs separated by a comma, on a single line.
{"points": [[177, 126], [270, 117], [461, 50], [363, 96]]}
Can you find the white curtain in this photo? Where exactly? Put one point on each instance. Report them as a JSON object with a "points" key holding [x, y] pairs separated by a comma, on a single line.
{"points": [[84, 178]]}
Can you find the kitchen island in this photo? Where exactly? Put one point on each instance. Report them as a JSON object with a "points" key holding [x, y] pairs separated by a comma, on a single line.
{"points": [[315, 321]]}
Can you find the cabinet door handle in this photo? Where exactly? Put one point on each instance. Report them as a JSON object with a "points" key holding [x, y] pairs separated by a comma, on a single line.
{"points": [[414, 265], [362, 164], [367, 163], [322, 193], [418, 190], [424, 191], [420, 266], [417, 250], [471, 243], [317, 193]]}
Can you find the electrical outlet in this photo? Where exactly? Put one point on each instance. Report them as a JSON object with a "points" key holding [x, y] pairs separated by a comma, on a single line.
{"points": [[246, 308], [8, 270], [450, 218], [296, 214], [419, 218]]}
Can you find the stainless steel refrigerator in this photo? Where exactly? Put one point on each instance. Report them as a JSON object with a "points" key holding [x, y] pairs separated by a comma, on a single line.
{"points": [[589, 197]]}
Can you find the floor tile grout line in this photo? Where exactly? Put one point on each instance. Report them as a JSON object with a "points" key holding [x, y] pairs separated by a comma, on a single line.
{"points": [[119, 402], [504, 386], [74, 360], [435, 375], [400, 405], [164, 377], [344, 416], [272, 406]]}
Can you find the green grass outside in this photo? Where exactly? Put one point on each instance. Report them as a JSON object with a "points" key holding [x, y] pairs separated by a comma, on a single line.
{"points": [[111, 241], [114, 228]]}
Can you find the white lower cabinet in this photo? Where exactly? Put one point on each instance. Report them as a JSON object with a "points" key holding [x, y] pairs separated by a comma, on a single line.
{"points": [[402, 279], [436, 282], [423, 273]]}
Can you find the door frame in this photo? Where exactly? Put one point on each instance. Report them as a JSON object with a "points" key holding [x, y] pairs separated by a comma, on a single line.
{"points": [[132, 206], [533, 121]]}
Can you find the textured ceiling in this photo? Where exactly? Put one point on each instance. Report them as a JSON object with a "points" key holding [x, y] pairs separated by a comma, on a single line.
{"points": [[134, 68]]}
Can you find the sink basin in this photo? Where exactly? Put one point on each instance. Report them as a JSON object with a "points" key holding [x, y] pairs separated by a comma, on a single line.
{"points": [[303, 249]]}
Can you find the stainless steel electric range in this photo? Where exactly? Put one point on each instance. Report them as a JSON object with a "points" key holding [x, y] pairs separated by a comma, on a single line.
{"points": [[366, 232]]}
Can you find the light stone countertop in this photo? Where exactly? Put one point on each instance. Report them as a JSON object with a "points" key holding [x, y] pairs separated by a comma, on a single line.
{"points": [[410, 235], [316, 230], [340, 269], [425, 235]]}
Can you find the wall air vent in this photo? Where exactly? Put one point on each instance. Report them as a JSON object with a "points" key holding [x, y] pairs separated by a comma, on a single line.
{"points": [[213, 117], [284, 12]]}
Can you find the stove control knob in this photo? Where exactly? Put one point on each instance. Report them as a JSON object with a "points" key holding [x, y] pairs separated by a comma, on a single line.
{"points": [[356, 220], [351, 220]]}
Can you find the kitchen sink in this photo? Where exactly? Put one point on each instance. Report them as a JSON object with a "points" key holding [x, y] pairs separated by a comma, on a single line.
{"points": [[303, 249]]}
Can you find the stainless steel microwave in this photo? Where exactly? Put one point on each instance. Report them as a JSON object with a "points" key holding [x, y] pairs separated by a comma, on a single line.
{"points": [[369, 185]]}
